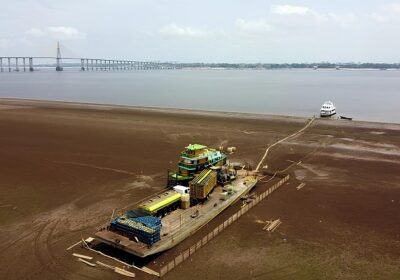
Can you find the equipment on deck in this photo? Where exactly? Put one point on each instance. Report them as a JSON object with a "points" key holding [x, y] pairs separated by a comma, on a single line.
{"points": [[161, 204], [146, 229], [203, 184]]}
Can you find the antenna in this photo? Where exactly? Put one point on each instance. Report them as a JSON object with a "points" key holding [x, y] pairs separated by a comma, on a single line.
{"points": [[58, 65]]}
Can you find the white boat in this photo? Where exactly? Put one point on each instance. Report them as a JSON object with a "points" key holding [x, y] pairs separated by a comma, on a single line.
{"points": [[328, 109]]}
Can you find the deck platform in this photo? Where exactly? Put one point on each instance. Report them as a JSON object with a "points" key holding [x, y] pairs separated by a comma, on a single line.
{"points": [[182, 223]]}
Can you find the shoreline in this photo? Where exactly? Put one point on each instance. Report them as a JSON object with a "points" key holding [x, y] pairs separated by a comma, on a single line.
{"points": [[180, 111], [66, 167]]}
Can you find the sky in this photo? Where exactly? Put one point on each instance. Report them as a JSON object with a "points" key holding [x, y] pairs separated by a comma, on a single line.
{"points": [[244, 31]]}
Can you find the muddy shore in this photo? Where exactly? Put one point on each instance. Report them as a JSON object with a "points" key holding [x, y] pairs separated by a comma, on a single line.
{"points": [[65, 167]]}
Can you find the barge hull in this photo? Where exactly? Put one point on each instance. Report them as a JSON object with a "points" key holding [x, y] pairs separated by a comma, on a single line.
{"points": [[242, 186]]}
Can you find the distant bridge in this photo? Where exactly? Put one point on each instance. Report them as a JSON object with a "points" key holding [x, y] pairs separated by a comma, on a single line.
{"points": [[21, 63], [27, 63]]}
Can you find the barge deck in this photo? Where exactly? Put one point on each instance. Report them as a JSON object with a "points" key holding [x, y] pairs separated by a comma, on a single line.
{"points": [[182, 223]]}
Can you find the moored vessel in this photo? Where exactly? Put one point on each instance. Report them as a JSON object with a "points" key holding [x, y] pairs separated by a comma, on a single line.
{"points": [[207, 186], [327, 109]]}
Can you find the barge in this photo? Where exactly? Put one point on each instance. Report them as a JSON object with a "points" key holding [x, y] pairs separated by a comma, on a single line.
{"points": [[207, 186]]}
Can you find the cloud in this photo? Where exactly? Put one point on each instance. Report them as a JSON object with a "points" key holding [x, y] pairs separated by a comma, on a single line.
{"points": [[343, 20], [301, 16], [25, 41], [394, 8], [256, 26], [289, 10], [5, 43], [386, 13], [173, 30], [57, 32], [65, 33], [301, 13], [35, 32]]}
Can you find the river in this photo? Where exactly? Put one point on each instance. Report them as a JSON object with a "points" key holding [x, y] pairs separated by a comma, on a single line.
{"points": [[371, 95]]}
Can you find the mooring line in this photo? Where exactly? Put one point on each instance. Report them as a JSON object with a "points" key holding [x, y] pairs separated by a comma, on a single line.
{"points": [[280, 141]]}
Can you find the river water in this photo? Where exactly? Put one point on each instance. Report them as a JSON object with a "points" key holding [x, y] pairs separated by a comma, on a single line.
{"points": [[372, 95]]}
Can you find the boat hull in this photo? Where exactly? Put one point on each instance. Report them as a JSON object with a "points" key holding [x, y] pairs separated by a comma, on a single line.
{"points": [[323, 115], [185, 230]]}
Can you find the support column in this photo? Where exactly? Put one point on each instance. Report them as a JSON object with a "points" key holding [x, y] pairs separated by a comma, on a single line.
{"points": [[82, 64], [87, 64], [31, 64], [23, 61], [109, 65], [92, 62], [9, 65], [1, 64], [16, 64]]}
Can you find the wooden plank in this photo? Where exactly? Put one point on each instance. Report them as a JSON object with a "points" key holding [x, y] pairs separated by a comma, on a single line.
{"points": [[86, 262], [82, 256], [299, 187], [124, 272]]}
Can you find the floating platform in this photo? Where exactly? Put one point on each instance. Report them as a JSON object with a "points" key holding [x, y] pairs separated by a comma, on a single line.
{"points": [[182, 223]]}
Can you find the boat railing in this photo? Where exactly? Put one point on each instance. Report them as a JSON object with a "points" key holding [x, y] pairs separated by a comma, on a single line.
{"points": [[187, 165]]}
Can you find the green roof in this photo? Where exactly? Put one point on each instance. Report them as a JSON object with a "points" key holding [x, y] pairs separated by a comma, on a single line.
{"points": [[194, 147]]}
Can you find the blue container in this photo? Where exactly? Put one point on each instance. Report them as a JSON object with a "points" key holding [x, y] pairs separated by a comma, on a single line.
{"points": [[146, 228]]}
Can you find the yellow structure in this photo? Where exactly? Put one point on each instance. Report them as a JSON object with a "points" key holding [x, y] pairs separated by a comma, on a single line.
{"points": [[203, 184], [158, 203]]}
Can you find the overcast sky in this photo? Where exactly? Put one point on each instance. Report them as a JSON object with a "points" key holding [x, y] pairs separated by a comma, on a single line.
{"points": [[204, 30]]}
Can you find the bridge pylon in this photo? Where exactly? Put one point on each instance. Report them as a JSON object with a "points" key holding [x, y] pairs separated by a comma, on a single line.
{"points": [[58, 59]]}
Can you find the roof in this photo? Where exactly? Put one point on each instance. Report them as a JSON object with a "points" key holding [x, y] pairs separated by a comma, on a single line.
{"points": [[203, 176], [194, 147], [157, 202], [179, 187]]}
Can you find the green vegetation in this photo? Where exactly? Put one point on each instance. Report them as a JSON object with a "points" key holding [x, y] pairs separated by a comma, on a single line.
{"points": [[322, 65]]}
